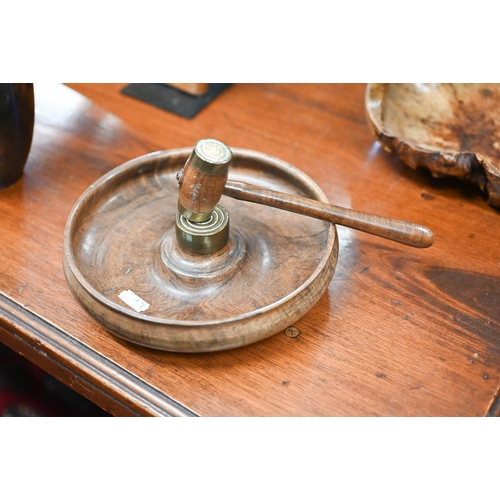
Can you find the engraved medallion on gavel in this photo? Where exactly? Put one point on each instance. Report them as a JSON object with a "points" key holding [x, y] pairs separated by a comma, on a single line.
{"points": [[202, 226]]}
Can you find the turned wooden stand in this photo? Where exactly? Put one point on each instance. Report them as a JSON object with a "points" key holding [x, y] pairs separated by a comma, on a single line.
{"points": [[121, 237]]}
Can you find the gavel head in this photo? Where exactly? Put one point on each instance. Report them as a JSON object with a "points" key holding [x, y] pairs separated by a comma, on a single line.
{"points": [[203, 180]]}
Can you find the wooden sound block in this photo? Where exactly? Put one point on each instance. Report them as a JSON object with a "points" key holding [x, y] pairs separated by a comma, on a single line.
{"points": [[451, 129], [123, 264]]}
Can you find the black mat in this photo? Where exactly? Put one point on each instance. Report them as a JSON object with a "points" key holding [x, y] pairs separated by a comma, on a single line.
{"points": [[170, 99]]}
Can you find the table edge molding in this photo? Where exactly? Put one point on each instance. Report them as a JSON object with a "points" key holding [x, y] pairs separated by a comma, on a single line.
{"points": [[83, 362]]}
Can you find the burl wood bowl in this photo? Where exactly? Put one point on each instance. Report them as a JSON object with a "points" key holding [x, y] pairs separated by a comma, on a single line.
{"points": [[120, 237], [451, 129]]}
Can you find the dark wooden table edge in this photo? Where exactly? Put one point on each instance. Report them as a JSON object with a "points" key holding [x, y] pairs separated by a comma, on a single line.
{"points": [[89, 373], [494, 409]]}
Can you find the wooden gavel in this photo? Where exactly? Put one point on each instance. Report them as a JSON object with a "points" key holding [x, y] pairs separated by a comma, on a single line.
{"points": [[204, 180]]}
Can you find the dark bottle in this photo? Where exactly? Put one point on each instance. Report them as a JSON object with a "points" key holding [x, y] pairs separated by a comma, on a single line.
{"points": [[17, 117]]}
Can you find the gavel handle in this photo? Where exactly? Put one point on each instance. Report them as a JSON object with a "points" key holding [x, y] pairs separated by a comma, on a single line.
{"points": [[407, 233]]}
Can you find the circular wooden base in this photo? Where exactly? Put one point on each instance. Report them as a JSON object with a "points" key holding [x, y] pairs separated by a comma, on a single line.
{"points": [[124, 265]]}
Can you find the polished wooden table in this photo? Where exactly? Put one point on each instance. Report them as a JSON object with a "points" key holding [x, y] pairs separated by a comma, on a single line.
{"points": [[399, 332]]}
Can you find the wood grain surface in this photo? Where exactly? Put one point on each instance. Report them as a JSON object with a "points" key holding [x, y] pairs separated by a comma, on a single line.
{"points": [[399, 332], [122, 236], [199, 190], [405, 232], [450, 128]]}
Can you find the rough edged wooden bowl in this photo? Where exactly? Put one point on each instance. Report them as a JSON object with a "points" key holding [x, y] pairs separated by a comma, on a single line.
{"points": [[121, 236], [452, 129]]}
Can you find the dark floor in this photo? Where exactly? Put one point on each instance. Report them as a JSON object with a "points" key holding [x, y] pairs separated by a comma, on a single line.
{"points": [[28, 391]]}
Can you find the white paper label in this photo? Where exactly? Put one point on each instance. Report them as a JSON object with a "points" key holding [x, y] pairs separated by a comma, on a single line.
{"points": [[133, 301]]}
